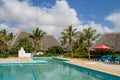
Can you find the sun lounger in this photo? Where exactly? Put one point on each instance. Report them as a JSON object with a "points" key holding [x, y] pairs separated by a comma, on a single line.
{"points": [[99, 59], [107, 58], [117, 59]]}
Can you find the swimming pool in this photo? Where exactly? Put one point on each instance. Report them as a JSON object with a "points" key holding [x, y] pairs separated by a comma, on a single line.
{"points": [[55, 69]]}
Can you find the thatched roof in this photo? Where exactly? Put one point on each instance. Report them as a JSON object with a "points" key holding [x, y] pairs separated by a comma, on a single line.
{"points": [[47, 40], [20, 35], [109, 39]]}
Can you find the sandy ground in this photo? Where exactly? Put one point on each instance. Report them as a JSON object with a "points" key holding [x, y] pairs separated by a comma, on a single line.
{"points": [[99, 66]]}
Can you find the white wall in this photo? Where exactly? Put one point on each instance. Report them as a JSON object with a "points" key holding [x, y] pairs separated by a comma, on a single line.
{"points": [[21, 53]]}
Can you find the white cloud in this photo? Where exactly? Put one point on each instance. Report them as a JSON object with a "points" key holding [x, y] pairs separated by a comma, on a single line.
{"points": [[99, 27], [10, 29], [49, 19], [115, 19], [52, 20]]}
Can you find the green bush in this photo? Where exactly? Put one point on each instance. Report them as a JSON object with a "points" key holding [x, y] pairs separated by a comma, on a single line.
{"points": [[14, 51], [13, 55], [75, 55], [55, 50], [67, 54], [99, 53], [83, 55], [2, 56], [115, 54], [26, 44]]}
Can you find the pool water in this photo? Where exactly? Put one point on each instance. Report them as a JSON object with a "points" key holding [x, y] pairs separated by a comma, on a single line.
{"points": [[53, 70]]}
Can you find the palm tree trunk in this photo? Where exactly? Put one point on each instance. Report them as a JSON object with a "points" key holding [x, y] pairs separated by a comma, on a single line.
{"points": [[71, 51], [89, 49], [6, 55], [88, 54], [35, 45]]}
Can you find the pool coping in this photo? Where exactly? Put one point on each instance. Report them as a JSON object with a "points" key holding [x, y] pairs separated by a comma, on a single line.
{"points": [[23, 62]]}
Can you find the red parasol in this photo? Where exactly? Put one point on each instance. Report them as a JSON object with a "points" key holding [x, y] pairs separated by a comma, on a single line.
{"points": [[102, 47]]}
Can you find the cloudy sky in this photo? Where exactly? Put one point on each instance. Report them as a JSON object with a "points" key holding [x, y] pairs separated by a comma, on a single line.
{"points": [[52, 16]]}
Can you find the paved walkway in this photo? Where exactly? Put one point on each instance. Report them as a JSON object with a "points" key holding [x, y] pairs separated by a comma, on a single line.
{"points": [[15, 59], [99, 66]]}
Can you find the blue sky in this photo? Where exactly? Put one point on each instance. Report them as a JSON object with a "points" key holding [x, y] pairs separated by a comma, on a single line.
{"points": [[53, 16], [96, 10], [88, 10]]}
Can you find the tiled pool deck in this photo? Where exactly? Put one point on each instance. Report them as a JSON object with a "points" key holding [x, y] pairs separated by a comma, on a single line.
{"points": [[100, 66]]}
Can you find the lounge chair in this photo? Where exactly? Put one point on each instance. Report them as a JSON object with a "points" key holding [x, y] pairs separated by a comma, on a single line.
{"points": [[107, 58], [99, 59], [117, 59]]}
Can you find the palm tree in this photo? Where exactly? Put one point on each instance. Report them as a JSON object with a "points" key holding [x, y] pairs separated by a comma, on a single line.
{"points": [[63, 38], [89, 35], [70, 34], [79, 43], [5, 37], [37, 35]]}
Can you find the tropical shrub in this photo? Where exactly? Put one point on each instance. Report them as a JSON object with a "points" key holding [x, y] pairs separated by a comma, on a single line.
{"points": [[22, 43], [2, 55], [27, 45], [68, 54], [83, 55], [75, 55], [55, 50], [14, 51]]}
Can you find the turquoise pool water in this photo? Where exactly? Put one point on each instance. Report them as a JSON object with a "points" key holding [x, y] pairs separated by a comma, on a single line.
{"points": [[55, 69]]}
